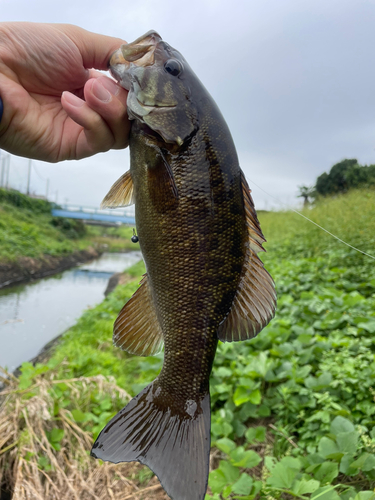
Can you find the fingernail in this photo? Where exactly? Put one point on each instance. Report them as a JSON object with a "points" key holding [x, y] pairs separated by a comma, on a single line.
{"points": [[73, 99], [110, 85], [100, 92]]}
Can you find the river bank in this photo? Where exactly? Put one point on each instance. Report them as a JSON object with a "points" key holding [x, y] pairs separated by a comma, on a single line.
{"points": [[30, 268], [34, 244], [34, 313], [285, 405]]}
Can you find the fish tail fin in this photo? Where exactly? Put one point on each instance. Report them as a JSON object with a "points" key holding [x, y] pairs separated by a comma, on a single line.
{"points": [[171, 437]]}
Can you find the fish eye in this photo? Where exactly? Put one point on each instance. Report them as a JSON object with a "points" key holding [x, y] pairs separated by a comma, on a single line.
{"points": [[173, 67]]}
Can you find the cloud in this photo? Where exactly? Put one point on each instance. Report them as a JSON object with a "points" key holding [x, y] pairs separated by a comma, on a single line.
{"points": [[294, 80]]}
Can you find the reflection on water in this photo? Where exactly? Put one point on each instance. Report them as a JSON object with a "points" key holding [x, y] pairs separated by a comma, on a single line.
{"points": [[34, 313]]}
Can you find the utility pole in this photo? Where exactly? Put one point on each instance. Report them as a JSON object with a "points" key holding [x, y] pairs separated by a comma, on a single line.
{"points": [[7, 174], [47, 188], [28, 179], [3, 166]]}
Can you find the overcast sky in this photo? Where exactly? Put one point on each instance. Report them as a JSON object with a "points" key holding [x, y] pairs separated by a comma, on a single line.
{"points": [[294, 80]]}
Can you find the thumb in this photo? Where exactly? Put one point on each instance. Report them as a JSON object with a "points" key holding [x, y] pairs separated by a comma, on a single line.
{"points": [[95, 49]]}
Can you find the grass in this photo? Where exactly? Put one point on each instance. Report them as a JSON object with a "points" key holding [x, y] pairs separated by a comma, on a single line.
{"points": [[351, 217], [293, 412], [27, 229]]}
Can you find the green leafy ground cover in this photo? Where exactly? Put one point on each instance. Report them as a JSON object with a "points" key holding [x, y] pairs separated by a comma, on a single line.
{"points": [[27, 229], [293, 412]]}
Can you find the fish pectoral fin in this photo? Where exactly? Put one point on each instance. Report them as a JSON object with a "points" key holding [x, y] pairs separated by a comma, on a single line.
{"points": [[137, 329], [254, 304], [163, 190], [169, 435], [121, 193]]}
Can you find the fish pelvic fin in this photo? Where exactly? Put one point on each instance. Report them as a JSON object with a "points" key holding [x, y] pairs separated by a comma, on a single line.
{"points": [[169, 436], [137, 329]]}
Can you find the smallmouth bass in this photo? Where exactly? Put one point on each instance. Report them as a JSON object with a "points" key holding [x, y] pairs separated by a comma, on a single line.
{"points": [[199, 235]]}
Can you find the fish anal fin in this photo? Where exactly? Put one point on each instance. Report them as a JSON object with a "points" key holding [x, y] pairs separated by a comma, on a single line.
{"points": [[254, 304], [170, 436], [137, 329], [121, 193]]}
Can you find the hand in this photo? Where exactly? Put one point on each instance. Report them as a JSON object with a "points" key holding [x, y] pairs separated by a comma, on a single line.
{"points": [[55, 106]]}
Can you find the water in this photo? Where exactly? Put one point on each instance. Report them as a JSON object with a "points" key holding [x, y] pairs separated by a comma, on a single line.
{"points": [[33, 314]]}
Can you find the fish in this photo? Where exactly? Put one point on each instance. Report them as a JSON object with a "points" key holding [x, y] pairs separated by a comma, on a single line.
{"points": [[199, 235]]}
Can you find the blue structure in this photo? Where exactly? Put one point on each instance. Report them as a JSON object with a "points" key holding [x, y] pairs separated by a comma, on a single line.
{"points": [[116, 216]]}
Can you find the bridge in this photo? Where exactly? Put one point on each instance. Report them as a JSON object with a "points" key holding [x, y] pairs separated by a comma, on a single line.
{"points": [[90, 215]]}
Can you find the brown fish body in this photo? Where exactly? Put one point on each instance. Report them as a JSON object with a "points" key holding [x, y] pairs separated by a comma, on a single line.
{"points": [[193, 246], [198, 230]]}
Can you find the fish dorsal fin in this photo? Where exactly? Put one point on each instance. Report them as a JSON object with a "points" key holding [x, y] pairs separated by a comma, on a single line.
{"points": [[121, 193], [256, 238], [137, 329], [255, 301]]}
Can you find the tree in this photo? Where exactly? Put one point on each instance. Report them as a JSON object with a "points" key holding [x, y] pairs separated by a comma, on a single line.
{"points": [[306, 192], [336, 181]]}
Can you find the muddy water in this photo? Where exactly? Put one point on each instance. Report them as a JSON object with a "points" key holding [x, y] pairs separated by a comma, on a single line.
{"points": [[34, 313]]}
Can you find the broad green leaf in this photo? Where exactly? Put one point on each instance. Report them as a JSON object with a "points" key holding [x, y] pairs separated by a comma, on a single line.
{"points": [[327, 447], [365, 462], [227, 491], [241, 395], [56, 435], [217, 481], [303, 486], [293, 463], [244, 485], [246, 459], [347, 441], [341, 424], [327, 472], [231, 472], [78, 415], [226, 445], [282, 476], [345, 463], [258, 433], [369, 326], [365, 495], [255, 397], [325, 493]]}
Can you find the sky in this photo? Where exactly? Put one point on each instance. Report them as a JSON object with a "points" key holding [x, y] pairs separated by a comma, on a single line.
{"points": [[293, 79]]}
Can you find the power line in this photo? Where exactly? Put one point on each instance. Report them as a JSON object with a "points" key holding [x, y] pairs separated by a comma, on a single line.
{"points": [[320, 227]]}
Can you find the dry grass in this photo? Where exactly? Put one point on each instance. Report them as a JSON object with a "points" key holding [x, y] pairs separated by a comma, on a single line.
{"points": [[31, 468]]}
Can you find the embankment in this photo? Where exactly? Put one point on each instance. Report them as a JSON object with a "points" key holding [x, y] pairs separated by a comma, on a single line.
{"points": [[28, 268]]}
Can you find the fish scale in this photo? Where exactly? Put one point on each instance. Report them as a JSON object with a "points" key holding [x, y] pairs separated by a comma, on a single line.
{"points": [[199, 235]]}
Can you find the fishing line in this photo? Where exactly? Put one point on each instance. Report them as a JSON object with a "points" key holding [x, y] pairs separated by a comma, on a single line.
{"points": [[317, 225]]}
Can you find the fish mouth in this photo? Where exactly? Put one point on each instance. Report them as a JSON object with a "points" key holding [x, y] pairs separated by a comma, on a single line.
{"points": [[159, 105], [137, 53]]}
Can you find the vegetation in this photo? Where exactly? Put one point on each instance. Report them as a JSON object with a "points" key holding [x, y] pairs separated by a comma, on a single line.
{"points": [[27, 229], [293, 412], [345, 175]]}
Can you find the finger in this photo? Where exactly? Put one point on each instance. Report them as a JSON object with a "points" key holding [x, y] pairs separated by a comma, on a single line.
{"points": [[95, 135], [95, 49], [1, 109], [107, 98]]}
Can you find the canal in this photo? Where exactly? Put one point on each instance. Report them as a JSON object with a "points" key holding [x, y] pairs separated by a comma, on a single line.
{"points": [[34, 313]]}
